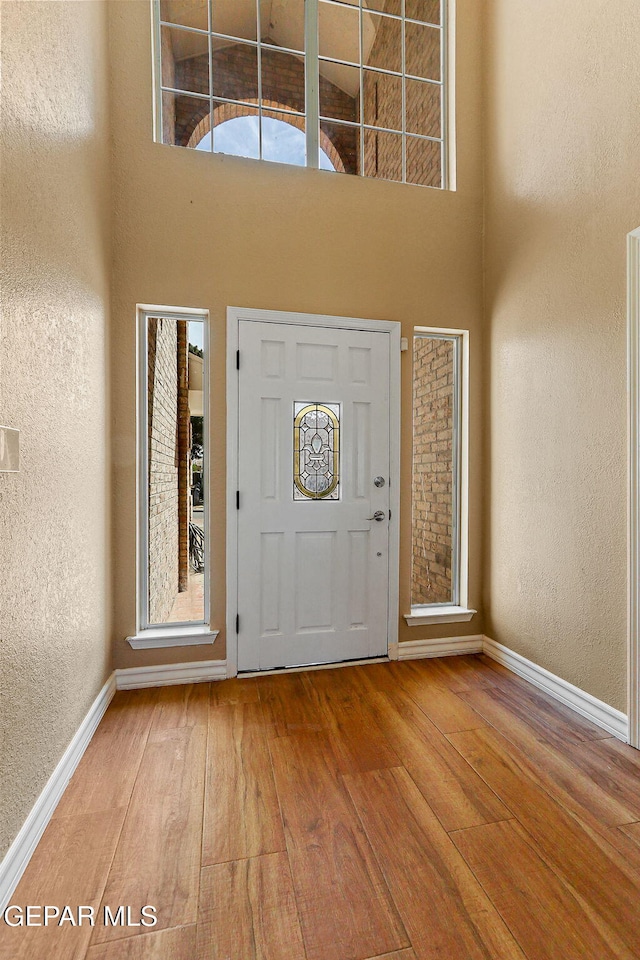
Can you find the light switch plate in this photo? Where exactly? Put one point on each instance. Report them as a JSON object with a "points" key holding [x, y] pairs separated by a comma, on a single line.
{"points": [[9, 450]]}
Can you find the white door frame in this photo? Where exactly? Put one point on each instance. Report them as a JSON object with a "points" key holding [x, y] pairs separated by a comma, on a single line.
{"points": [[633, 385], [234, 316]]}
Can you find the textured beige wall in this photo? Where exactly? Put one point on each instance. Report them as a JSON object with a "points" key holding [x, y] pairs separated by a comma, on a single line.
{"points": [[208, 231], [562, 102], [54, 514]]}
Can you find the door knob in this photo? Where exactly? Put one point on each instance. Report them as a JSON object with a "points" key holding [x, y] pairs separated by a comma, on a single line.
{"points": [[378, 481], [378, 515]]}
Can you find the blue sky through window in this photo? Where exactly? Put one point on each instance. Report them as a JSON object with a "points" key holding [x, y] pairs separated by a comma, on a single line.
{"points": [[281, 141], [196, 333]]}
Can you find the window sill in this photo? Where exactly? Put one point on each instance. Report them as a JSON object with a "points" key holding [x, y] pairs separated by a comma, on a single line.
{"points": [[173, 637], [446, 613]]}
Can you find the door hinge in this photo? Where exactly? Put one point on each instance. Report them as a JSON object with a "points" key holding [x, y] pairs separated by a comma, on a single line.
{"points": [[389, 514], [237, 623], [237, 499], [237, 359]]}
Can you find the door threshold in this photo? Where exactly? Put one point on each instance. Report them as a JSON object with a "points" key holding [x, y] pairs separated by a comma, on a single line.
{"points": [[312, 666]]}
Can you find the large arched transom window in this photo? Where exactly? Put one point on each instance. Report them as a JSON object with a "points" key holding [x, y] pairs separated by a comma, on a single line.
{"points": [[363, 81]]}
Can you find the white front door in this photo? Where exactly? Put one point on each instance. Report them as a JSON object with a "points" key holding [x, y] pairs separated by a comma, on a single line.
{"points": [[313, 473]]}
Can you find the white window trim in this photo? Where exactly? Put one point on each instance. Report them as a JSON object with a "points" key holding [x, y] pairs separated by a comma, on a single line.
{"points": [[449, 151], [453, 613], [172, 634], [156, 637], [438, 613], [633, 537]]}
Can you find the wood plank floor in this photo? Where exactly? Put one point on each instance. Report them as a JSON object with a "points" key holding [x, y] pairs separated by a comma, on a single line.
{"points": [[424, 810]]}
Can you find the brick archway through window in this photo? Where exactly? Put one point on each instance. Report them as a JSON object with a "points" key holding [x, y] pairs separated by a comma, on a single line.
{"points": [[231, 111]]}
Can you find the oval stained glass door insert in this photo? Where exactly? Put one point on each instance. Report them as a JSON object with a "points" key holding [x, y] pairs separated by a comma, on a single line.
{"points": [[316, 451]]}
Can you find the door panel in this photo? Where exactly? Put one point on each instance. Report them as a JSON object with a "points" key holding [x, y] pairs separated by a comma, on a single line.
{"points": [[358, 579], [271, 598], [272, 352], [314, 587], [317, 362], [270, 446], [360, 475], [313, 572]]}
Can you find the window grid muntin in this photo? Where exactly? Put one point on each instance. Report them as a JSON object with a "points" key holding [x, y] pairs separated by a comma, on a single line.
{"points": [[210, 53], [361, 96], [178, 91], [354, 125], [313, 138], [385, 13], [404, 96], [348, 63], [312, 82], [220, 101], [259, 39]]}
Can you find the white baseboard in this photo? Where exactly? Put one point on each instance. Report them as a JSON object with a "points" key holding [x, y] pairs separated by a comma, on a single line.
{"points": [[200, 671], [19, 853], [445, 647], [613, 721]]}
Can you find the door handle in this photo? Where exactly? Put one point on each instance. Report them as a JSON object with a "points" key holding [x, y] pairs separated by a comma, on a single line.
{"points": [[378, 515]]}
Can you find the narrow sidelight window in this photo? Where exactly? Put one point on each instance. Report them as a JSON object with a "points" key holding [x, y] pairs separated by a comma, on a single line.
{"points": [[173, 475], [438, 575]]}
